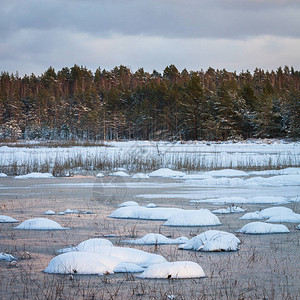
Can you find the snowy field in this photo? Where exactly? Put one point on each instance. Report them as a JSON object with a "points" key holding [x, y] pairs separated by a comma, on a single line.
{"points": [[227, 230], [147, 156]]}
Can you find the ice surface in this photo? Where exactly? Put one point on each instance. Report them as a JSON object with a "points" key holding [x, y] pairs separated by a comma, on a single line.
{"points": [[212, 240], [40, 224], [179, 269], [157, 239], [263, 228], [226, 173], [202, 217]]}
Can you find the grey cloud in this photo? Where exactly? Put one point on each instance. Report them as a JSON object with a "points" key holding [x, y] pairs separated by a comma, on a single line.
{"points": [[185, 19]]}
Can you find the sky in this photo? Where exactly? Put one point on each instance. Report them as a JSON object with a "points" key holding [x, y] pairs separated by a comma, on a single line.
{"points": [[237, 35]]}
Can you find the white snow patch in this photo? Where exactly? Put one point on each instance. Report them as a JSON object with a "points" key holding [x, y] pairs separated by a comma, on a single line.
{"points": [[285, 218], [119, 174], [228, 210], [40, 224], [7, 219], [6, 256], [81, 263], [263, 228], [222, 200], [2, 175], [179, 269], [202, 217], [226, 173], [50, 212], [140, 176], [275, 211], [128, 203], [252, 216], [151, 205], [35, 175], [71, 211], [87, 245], [139, 212], [166, 172], [212, 240], [99, 175], [128, 268], [157, 239]]}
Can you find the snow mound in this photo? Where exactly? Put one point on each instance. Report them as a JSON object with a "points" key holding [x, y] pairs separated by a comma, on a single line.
{"points": [[144, 213], [226, 173], [298, 227], [252, 216], [2, 175], [35, 175], [179, 269], [7, 219], [156, 239], [275, 211], [229, 210], [50, 212], [119, 174], [99, 175], [212, 240], [71, 211], [6, 256], [129, 255], [40, 224], [263, 228], [285, 218], [87, 245], [80, 263], [166, 172], [128, 268], [128, 203], [202, 217], [151, 205], [140, 176]]}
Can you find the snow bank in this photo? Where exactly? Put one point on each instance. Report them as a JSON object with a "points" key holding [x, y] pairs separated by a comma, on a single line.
{"points": [[2, 175], [228, 210], [7, 257], [7, 219], [202, 217], [157, 239], [81, 263], [252, 216], [40, 224], [35, 175], [99, 175], [166, 172], [144, 213], [263, 228], [212, 240], [179, 269], [128, 203]]}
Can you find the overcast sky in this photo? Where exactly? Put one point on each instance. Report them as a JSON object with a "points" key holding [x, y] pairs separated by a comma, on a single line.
{"points": [[193, 34]]}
